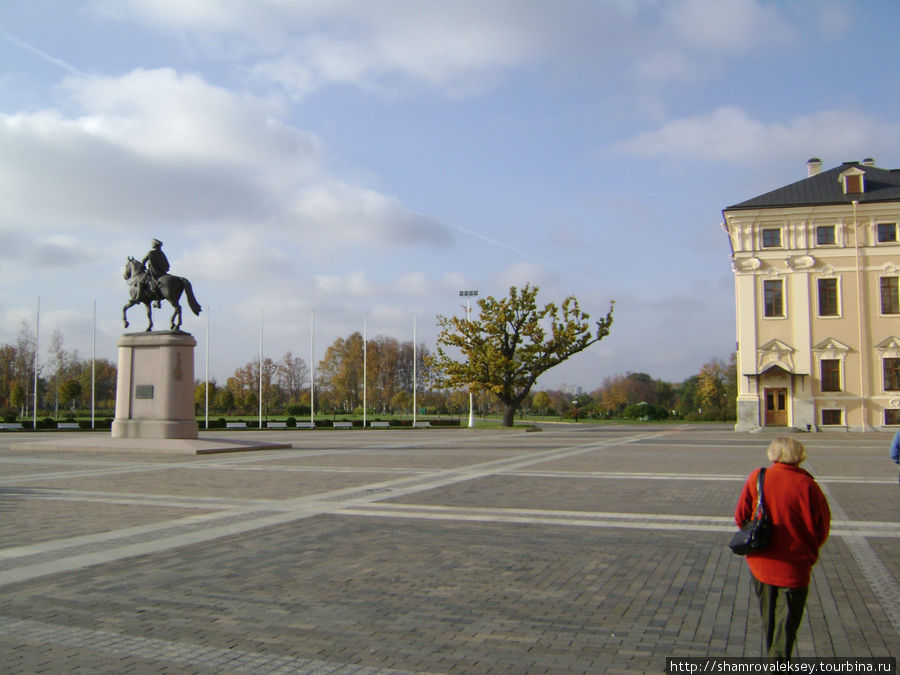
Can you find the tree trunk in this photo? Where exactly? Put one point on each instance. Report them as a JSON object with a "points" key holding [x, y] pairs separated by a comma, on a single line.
{"points": [[509, 414]]}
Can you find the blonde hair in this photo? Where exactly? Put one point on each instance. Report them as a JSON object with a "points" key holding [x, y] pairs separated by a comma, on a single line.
{"points": [[786, 450]]}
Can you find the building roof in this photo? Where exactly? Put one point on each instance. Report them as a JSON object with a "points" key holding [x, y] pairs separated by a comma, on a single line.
{"points": [[881, 185]]}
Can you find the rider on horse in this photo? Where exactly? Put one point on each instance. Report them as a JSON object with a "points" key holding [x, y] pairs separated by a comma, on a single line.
{"points": [[150, 282], [157, 265]]}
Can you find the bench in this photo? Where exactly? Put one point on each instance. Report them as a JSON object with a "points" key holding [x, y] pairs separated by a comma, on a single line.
{"points": [[235, 425], [380, 425], [342, 425], [306, 425], [276, 425], [67, 425], [10, 426], [422, 425]]}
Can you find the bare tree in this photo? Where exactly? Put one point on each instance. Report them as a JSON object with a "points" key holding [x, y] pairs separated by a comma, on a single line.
{"points": [[292, 375]]}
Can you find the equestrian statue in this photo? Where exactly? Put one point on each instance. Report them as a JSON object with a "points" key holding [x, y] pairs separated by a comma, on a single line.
{"points": [[150, 282]]}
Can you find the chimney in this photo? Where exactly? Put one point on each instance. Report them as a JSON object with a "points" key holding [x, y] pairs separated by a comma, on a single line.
{"points": [[868, 161], [813, 167]]}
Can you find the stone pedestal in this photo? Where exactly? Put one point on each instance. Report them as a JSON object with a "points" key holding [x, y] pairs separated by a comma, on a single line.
{"points": [[747, 414], [155, 387]]}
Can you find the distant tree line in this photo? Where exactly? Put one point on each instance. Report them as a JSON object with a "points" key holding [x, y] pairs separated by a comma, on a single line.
{"points": [[285, 388], [709, 395], [64, 379], [64, 386]]}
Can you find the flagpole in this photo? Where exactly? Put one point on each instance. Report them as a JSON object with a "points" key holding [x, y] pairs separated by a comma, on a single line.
{"points": [[206, 402], [414, 371], [260, 366], [93, 360], [312, 368], [37, 340], [365, 363]]}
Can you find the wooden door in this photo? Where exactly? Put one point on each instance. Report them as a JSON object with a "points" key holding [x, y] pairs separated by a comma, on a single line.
{"points": [[776, 407]]}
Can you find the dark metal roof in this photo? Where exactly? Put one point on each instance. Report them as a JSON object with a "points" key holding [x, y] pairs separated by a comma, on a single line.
{"points": [[881, 185]]}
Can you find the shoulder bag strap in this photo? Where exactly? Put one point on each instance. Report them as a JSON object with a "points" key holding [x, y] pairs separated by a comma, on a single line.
{"points": [[760, 503]]}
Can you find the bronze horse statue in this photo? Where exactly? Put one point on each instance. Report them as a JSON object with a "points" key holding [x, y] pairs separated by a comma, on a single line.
{"points": [[170, 288]]}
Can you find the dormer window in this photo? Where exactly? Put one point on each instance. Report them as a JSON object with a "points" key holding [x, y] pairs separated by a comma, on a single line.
{"points": [[852, 181]]}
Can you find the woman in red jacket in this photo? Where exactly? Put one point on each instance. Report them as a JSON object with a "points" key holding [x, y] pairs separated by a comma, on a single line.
{"points": [[800, 523]]}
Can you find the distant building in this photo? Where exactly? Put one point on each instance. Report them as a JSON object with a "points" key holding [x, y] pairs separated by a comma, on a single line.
{"points": [[816, 266], [571, 389]]}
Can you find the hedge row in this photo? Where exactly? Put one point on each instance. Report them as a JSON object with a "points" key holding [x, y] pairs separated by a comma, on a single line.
{"points": [[221, 423]]}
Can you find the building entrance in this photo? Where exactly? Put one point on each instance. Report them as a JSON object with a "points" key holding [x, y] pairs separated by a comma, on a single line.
{"points": [[776, 407]]}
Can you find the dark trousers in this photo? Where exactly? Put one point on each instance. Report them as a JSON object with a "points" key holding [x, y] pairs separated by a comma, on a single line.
{"points": [[781, 610]]}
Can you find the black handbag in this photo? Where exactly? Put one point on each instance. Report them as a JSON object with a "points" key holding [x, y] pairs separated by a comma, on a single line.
{"points": [[754, 535]]}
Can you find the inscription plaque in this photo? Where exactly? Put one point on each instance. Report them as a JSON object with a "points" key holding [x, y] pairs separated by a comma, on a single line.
{"points": [[143, 391]]}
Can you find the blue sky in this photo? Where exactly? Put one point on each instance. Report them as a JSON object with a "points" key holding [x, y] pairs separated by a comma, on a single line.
{"points": [[368, 158]]}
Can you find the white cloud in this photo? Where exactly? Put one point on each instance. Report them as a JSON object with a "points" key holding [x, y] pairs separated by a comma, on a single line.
{"points": [[724, 27], [155, 148], [163, 114], [412, 283], [363, 217], [520, 274], [729, 134], [303, 45], [59, 250], [459, 48], [356, 284], [238, 254]]}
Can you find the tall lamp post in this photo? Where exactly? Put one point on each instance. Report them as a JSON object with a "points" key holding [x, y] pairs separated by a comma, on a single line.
{"points": [[575, 403], [467, 295]]}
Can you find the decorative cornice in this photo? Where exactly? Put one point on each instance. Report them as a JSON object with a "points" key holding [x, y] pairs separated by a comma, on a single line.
{"points": [[830, 344], [830, 348], [747, 264], [800, 262], [889, 347], [775, 353]]}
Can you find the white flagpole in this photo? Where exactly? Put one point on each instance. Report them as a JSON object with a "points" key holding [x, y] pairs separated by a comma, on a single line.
{"points": [[312, 368], [414, 371], [206, 402], [260, 366], [37, 340], [93, 360], [365, 363]]}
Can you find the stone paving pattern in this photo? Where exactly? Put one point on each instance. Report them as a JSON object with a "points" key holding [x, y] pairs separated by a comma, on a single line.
{"points": [[577, 549]]}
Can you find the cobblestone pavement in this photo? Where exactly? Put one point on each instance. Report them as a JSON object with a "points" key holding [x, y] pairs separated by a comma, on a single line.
{"points": [[577, 549]]}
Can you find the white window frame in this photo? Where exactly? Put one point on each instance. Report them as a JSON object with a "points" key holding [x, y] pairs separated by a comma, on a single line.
{"points": [[840, 409], [884, 388], [781, 234], [840, 362], [834, 231], [840, 304], [784, 307], [887, 242], [881, 311]]}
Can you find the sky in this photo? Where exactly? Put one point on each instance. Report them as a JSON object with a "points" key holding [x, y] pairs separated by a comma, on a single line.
{"points": [[363, 161]]}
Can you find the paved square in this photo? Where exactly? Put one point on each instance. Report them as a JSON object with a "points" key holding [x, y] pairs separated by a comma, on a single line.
{"points": [[576, 549]]}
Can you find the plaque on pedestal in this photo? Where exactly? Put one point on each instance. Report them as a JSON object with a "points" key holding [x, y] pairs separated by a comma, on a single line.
{"points": [[155, 387]]}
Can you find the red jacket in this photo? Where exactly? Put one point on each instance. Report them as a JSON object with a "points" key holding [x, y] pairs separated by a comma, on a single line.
{"points": [[800, 522]]}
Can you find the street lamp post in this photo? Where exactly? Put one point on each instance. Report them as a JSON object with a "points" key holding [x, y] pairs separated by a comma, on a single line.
{"points": [[467, 295], [575, 403]]}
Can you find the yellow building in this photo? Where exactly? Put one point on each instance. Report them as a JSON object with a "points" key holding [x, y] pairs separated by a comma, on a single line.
{"points": [[816, 266]]}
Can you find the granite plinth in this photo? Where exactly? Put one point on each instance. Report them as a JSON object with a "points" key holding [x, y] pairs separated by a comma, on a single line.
{"points": [[155, 386]]}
